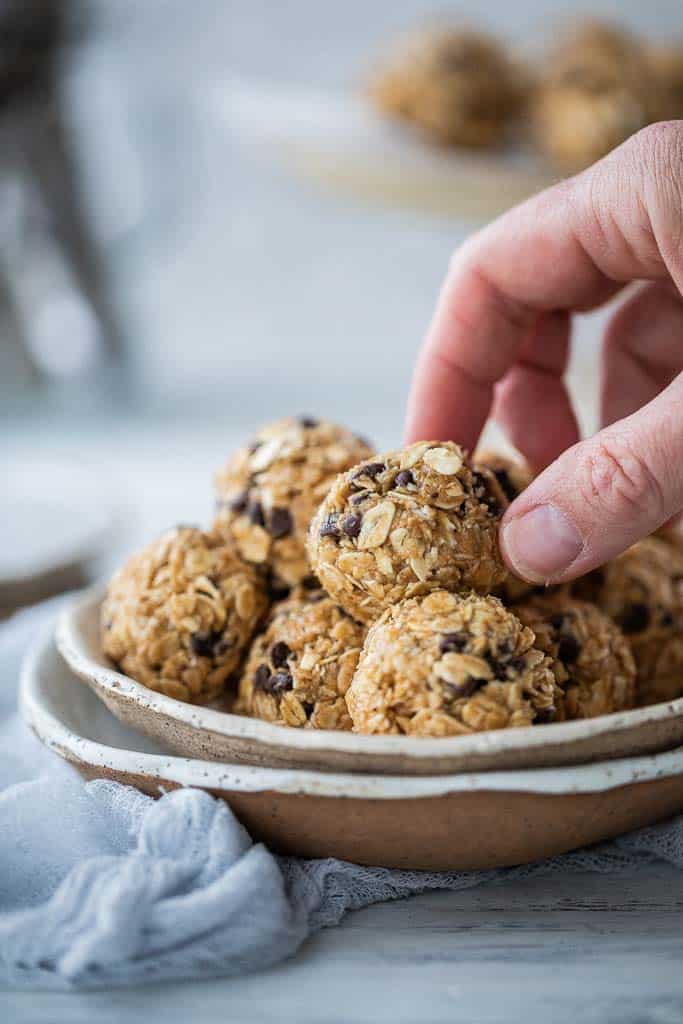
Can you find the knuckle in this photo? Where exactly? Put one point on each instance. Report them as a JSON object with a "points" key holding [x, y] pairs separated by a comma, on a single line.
{"points": [[616, 480]]}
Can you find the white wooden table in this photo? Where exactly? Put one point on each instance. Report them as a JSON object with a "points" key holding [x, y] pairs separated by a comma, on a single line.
{"points": [[585, 949]]}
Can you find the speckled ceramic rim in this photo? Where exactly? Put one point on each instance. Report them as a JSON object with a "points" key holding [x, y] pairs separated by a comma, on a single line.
{"points": [[38, 710], [73, 646]]}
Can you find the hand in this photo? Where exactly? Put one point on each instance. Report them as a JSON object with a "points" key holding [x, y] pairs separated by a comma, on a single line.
{"points": [[500, 340]]}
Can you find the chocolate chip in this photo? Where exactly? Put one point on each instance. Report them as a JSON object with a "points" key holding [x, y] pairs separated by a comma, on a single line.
{"points": [[239, 502], [262, 677], [556, 620], [358, 499], [518, 665], [568, 649], [280, 683], [280, 522], [667, 619], [279, 591], [308, 708], [466, 689], [404, 478], [310, 582], [329, 526], [371, 469], [506, 484], [453, 642], [255, 513], [351, 524], [545, 715], [279, 653], [204, 644], [308, 422], [481, 491], [634, 618]]}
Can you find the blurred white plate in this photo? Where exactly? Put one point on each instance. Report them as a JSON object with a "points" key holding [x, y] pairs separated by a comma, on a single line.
{"points": [[55, 521], [339, 141]]}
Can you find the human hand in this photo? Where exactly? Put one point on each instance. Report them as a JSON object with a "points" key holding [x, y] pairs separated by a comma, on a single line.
{"points": [[499, 340]]}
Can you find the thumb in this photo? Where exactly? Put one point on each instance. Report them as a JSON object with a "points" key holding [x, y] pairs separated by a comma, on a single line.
{"points": [[600, 496]]}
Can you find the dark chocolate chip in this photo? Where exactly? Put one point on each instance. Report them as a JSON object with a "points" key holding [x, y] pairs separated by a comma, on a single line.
{"points": [[279, 653], [280, 522], [506, 484], [358, 499], [239, 502], [308, 708], [329, 526], [545, 715], [204, 644], [279, 591], [556, 620], [262, 677], [481, 491], [404, 478], [667, 619], [308, 422], [280, 683], [568, 649], [518, 664], [310, 582], [466, 689], [634, 618], [255, 513], [453, 642], [371, 469], [351, 524]]}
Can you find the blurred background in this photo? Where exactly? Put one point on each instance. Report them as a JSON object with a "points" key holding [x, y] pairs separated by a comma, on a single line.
{"points": [[168, 281]]}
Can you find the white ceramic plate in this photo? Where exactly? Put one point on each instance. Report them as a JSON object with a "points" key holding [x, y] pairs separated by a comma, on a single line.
{"points": [[219, 736], [339, 141], [467, 820]]}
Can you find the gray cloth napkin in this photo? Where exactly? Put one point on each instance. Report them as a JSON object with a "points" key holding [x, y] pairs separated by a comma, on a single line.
{"points": [[101, 885]]}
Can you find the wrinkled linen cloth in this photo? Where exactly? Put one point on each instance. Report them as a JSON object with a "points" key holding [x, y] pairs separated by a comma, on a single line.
{"points": [[101, 885]]}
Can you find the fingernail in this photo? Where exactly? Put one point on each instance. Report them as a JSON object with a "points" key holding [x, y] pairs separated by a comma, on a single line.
{"points": [[541, 544]]}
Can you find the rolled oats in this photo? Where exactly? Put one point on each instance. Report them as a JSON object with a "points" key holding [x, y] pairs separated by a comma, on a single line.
{"points": [[448, 665], [299, 669], [642, 591], [423, 519], [269, 490], [179, 614], [592, 659]]}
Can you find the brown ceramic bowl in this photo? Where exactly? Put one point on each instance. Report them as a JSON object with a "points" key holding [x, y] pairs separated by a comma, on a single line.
{"points": [[438, 822], [216, 735]]}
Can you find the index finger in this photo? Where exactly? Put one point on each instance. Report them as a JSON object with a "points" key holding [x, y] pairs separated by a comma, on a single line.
{"points": [[568, 248]]}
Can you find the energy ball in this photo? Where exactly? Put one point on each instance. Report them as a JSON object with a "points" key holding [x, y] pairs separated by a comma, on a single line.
{"points": [[445, 665], [513, 476], [457, 87], [591, 657], [642, 591], [599, 89], [269, 490], [179, 614], [405, 523], [300, 667]]}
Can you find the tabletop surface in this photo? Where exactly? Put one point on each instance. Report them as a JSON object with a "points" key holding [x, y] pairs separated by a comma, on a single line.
{"points": [[582, 948]]}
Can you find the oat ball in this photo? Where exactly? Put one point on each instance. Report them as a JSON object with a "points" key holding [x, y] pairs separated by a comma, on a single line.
{"points": [[404, 523], [642, 591], [667, 65], [445, 665], [598, 89], [269, 490], [457, 87], [299, 669], [592, 659], [179, 614]]}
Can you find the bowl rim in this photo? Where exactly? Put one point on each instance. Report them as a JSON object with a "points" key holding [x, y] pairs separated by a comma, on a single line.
{"points": [[73, 648], [61, 738]]}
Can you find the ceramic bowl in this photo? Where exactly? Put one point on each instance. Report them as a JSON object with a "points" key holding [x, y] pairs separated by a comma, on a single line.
{"points": [[216, 735], [438, 822]]}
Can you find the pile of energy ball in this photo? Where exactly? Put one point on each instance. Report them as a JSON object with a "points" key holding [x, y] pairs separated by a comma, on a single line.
{"points": [[597, 85], [341, 589]]}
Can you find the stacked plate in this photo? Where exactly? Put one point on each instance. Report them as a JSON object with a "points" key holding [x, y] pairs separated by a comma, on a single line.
{"points": [[486, 800]]}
